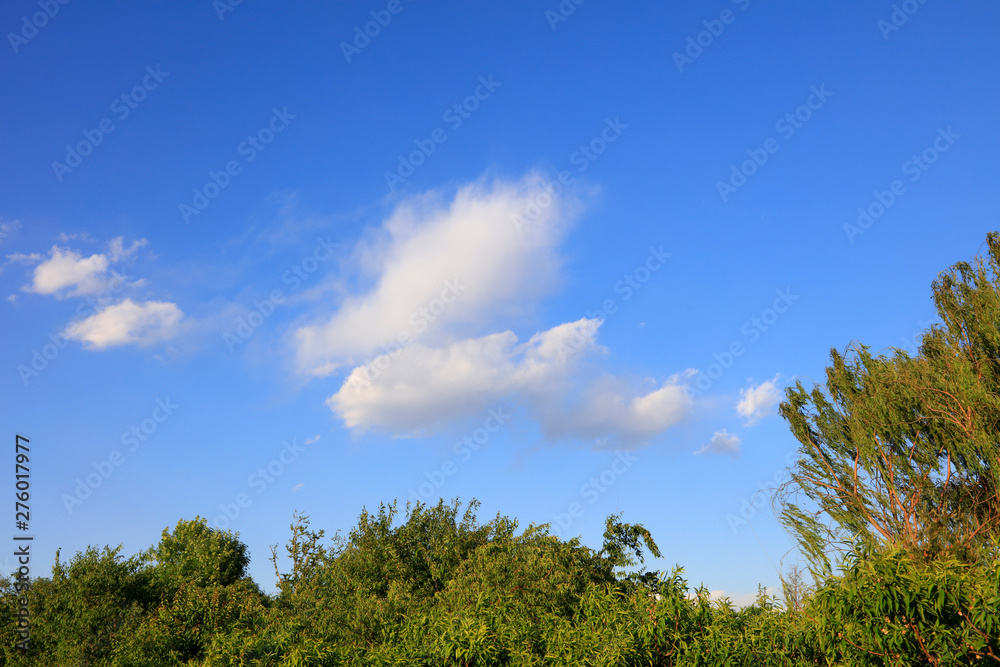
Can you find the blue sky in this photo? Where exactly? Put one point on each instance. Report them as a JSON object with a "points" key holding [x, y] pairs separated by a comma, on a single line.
{"points": [[491, 249]]}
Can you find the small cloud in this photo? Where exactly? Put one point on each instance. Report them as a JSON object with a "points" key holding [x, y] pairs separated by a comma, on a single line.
{"points": [[117, 250], [67, 273], [758, 402], [128, 323], [299, 486], [12, 298], [722, 443], [310, 441]]}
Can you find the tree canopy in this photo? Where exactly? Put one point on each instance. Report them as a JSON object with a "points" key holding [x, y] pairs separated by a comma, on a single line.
{"points": [[902, 451]]}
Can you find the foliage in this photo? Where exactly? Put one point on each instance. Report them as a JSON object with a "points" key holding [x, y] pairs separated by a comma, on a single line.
{"points": [[901, 451], [893, 609], [439, 588], [196, 553], [79, 614]]}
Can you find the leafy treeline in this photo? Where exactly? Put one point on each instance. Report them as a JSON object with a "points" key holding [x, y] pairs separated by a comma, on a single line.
{"points": [[894, 501], [444, 590]]}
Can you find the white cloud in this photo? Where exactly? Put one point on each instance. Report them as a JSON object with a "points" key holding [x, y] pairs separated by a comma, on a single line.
{"points": [[441, 270], [722, 443], [128, 323], [425, 340], [758, 402], [67, 273], [423, 387]]}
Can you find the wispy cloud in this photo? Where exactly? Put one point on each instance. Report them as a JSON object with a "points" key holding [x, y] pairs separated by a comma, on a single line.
{"points": [[722, 443]]}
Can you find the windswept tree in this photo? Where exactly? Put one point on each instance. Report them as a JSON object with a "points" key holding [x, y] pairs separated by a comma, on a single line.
{"points": [[899, 450]]}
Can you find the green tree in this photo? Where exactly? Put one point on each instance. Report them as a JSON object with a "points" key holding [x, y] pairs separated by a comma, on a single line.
{"points": [[88, 605], [204, 594], [198, 554], [440, 583], [899, 450]]}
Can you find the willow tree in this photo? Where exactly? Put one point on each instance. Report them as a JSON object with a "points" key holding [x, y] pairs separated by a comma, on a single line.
{"points": [[904, 451]]}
